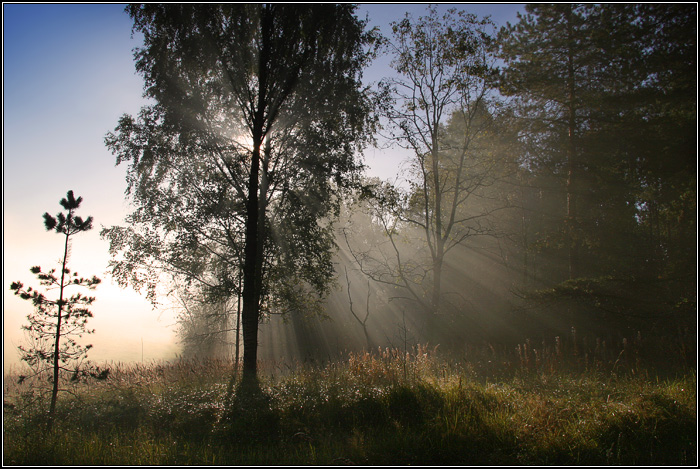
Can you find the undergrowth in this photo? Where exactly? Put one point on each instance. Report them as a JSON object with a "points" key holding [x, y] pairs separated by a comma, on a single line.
{"points": [[534, 406]]}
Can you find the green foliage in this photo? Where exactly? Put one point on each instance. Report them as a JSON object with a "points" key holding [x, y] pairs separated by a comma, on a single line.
{"points": [[190, 158], [56, 324], [617, 299], [607, 156], [238, 168]]}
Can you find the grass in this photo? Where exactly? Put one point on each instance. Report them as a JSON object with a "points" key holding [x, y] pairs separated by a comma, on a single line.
{"points": [[540, 405]]}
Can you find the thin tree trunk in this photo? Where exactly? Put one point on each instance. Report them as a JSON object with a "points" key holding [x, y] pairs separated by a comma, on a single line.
{"points": [[238, 321], [439, 243], [56, 358], [437, 278], [571, 208]]}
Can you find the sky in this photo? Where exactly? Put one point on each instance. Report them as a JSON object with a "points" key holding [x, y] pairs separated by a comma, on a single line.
{"points": [[68, 75]]}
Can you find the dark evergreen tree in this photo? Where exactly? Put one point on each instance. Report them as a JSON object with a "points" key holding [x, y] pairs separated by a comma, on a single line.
{"points": [[55, 324], [548, 72], [604, 96]]}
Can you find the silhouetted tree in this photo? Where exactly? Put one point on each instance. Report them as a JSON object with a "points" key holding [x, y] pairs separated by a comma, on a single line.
{"points": [[601, 97], [360, 320], [55, 324], [550, 71], [257, 120]]}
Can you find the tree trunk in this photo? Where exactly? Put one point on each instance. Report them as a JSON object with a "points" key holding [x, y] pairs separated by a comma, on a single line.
{"points": [[238, 321], [251, 307], [439, 243], [437, 280], [56, 358], [252, 272], [571, 208]]}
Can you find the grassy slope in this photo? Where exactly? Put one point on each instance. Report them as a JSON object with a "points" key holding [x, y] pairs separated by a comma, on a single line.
{"points": [[386, 408]]}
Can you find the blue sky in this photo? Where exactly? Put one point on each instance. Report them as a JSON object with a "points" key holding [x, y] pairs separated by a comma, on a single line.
{"points": [[68, 75]]}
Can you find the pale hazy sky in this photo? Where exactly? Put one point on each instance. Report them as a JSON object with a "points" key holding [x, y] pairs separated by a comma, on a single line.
{"points": [[68, 75]]}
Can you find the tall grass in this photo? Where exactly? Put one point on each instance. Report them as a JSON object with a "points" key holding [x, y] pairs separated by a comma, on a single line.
{"points": [[561, 401]]}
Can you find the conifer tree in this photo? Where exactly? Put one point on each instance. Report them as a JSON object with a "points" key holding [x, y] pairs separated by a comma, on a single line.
{"points": [[602, 96], [64, 318]]}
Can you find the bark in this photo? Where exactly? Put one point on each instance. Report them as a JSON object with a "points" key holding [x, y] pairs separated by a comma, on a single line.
{"points": [[251, 289], [439, 244], [56, 358], [571, 209], [437, 279], [251, 272]]}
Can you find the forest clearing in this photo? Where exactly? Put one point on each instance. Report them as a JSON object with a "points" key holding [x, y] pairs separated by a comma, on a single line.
{"points": [[518, 288], [388, 407]]}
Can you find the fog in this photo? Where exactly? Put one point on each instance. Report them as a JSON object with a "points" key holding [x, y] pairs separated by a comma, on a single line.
{"points": [[54, 141]]}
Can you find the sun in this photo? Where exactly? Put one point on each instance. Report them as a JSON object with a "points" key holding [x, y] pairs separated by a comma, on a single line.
{"points": [[244, 142]]}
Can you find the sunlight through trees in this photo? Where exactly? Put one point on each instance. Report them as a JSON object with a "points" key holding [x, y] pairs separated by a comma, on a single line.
{"points": [[539, 178]]}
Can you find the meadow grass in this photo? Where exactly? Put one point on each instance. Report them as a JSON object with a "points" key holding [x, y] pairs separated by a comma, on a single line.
{"points": [[544, 404]]}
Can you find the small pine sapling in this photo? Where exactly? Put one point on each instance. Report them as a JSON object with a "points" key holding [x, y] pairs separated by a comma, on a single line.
{"points": [[55, 325]]}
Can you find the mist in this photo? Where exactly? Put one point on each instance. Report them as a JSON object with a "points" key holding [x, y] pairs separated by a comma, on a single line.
{"points": [[486, 279], [338, 234]]}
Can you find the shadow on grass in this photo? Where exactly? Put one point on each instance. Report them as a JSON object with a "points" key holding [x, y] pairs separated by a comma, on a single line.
{"points": [[248, 416], [657, 432]]}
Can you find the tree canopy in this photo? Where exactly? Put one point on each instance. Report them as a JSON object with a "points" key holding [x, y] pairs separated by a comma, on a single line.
{"points": [[578, 153], [235, 169], [596, 91]]}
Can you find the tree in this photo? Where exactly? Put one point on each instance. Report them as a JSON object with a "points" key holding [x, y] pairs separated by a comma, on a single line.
{"points": [[550, 68], [237, 167], [55, 324], [442, 114], [597, 93], [659, 131]]}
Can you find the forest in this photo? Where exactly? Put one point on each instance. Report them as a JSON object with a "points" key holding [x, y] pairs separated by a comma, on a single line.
{"points": [[522, 291]]}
